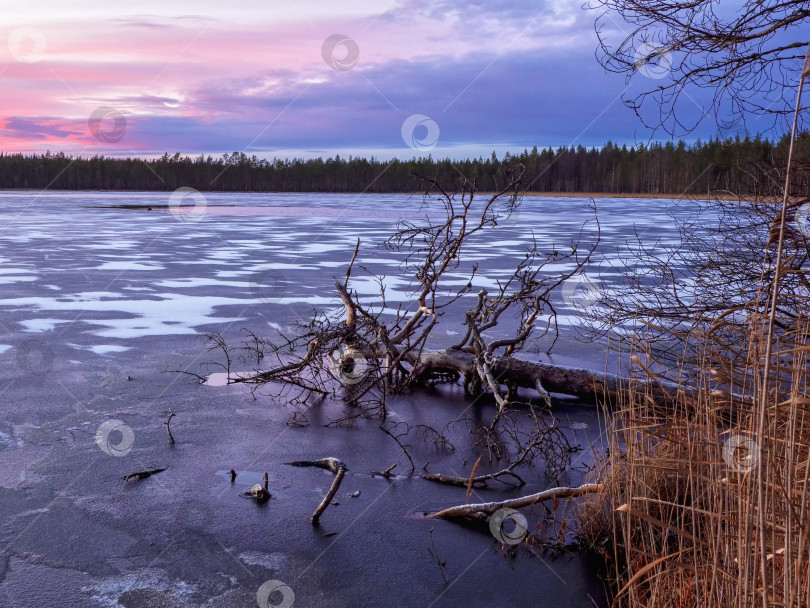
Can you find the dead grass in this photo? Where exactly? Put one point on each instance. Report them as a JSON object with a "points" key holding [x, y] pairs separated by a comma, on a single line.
{"points": [[690, 519]]}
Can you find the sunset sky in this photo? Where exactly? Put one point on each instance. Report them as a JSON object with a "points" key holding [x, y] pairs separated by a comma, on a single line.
{"points": [[216, 76]]}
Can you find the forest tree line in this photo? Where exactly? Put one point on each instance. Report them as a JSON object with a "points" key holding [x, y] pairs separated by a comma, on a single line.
{"points": [[741, 166]]}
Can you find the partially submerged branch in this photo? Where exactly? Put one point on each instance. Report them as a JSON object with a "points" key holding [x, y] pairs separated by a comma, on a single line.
{"points": [[333, 465], [143, 474], [168, 429], [386, 473], [477, 481], [482, 511]]}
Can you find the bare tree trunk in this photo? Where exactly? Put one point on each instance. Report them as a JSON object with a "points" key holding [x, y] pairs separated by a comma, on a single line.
{"points": [[541, 377]]}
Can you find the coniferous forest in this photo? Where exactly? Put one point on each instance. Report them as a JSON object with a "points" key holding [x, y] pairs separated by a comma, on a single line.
{"points": [[739, 166]]}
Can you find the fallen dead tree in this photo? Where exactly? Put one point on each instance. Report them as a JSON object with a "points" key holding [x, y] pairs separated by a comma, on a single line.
{"points": [[541, 377], [509, 372], [370, 353], [377, 348], [366, 354]]}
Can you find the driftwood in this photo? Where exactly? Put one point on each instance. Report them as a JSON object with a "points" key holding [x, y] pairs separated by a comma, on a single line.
{"points": [[338, 467], [386, 473], [481, 511], [259, 492], [143, 474]]}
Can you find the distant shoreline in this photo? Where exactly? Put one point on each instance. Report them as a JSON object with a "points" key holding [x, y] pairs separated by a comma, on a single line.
{"points": [[686, 197], [608, 172], [716, 196]]}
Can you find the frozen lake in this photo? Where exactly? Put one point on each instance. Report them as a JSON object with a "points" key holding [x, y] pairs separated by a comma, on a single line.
{"points": [[96, 303]]}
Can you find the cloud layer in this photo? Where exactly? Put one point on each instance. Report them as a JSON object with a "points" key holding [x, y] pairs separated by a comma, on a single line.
{"points": [[212, 78]]}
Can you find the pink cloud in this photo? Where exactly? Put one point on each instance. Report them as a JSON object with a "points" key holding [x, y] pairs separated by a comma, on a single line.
{"points": [[243, 68]]}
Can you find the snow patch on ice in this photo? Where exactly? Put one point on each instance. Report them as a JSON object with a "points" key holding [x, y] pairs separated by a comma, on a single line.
{"points": [[277, 562], [129, 266], [41, 325], [108, 591]]}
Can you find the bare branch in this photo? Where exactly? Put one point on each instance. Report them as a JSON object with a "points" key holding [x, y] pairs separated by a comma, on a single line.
{"points": [[485, 509]]}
